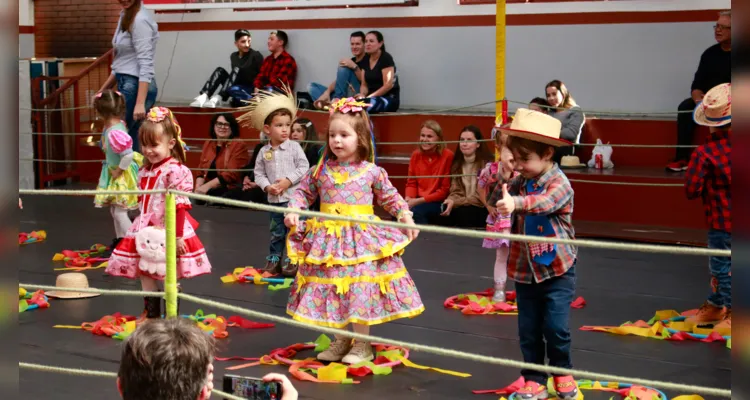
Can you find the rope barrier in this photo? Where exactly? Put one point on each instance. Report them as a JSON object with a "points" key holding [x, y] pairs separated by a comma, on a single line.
{"points": [[106, 292], [98, 374], [60, 192]]}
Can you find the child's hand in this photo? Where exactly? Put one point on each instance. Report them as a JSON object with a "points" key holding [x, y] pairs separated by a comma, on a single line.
{"points": [[273, 189], [181, 246], [20, 203], [492, 210], [283, 184], [291, 220], [506, 205], [410, 233], [116, 173]]}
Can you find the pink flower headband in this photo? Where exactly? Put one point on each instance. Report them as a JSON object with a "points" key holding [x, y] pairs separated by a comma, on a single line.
{"points": [[99, 95], [348, 105], [159, 114]]}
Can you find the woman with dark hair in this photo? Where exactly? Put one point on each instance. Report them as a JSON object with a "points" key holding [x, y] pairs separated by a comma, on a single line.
{"points": [[221, 153], [465, 207], [133, 64], [563, 107], [303, 131], [378, 76], [249, 190]]}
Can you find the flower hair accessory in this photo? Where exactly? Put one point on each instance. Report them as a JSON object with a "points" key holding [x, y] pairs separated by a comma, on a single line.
{"points": [[159, 114], [347, 105]]}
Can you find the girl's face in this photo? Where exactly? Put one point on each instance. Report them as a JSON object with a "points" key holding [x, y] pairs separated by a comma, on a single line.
{"points": [[222, 129], [469, 144], [125, 4], [428, 137], [342, 140], [298, 132], [161, 150], [371, 44], [508, 162], [554, 97]]}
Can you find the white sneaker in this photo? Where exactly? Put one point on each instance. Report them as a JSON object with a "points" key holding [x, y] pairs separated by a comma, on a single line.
{"points": [[199, 101], [338, 349], [499, 295], [361, 351], [213, 101]]}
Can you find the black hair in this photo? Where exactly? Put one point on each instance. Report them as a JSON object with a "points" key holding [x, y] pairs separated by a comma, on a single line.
{"points": [[240, 33], [283, 36], [358, 34], [378, 36], [233, 125]]}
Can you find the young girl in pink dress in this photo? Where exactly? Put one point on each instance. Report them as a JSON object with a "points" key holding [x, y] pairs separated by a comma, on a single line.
{"points": [[349, 273], [162, 169], [495, 173]]}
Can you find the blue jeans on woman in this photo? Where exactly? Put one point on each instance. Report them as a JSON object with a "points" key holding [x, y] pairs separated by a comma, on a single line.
{"points": [[544, 315], [345, 77], [383, 104], [128, 86], [721, 269], [426, 212]]}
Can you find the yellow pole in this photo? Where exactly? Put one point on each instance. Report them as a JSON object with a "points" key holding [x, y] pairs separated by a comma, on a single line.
{"points": [[170, 281], [499, 56]]}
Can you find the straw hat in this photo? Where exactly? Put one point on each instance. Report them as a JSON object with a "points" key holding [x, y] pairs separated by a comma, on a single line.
{"points": [[264, 103], [75, 280], [716, 107], [536, 126]]}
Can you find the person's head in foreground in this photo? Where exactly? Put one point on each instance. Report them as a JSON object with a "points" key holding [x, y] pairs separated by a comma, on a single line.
{"points": [[532, 138], [167, 359]]}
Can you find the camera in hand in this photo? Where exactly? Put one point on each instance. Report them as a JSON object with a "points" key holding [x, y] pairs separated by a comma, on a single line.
{"points": [[252, 388]]}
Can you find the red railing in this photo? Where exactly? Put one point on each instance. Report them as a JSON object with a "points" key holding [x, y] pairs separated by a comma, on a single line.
{"points": [[62, 114]]}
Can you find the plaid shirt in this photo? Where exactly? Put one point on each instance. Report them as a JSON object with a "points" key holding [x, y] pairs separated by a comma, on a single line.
{"points": [[556, 202], [277, 71], [709, 176]]}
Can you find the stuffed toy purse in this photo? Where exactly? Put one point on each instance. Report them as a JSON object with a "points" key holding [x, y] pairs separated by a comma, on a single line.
{"points": [[151, 244]]}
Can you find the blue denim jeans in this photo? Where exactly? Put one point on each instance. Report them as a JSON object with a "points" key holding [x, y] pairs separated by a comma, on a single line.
{"points": [[239, 94], [426, 211], [721, 269], [383, 104], [344, 78], [544, 315], [128, 86], [278, 233]]}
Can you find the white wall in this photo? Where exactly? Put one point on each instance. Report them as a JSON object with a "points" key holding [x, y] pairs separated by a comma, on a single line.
{"points": [[25, 143], [627, 67], [26, 18]]}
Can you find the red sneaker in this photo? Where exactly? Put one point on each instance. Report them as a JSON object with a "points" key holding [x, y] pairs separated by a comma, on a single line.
{"points": [[532, 391], [677, 166], [566, 387]]}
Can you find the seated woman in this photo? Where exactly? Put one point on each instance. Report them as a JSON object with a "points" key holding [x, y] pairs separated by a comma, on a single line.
{"points": [[465, 207], [221, 152], [378, 76], [425, 194], [564, 107], [250, 191]]}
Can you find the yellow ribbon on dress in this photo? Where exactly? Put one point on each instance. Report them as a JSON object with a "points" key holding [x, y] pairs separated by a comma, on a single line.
{"points": [[350, 210]]}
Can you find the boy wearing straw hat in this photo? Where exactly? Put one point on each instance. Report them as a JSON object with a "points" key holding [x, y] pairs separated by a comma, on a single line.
{"points": [[709, 176], [541, 201]]}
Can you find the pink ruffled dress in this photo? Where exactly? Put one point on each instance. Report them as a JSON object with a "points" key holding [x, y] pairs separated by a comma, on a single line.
{"points": [[349, 272], [488, 180]]}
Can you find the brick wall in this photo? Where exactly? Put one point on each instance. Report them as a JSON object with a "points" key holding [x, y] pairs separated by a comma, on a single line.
{"points": [[74, 28]]}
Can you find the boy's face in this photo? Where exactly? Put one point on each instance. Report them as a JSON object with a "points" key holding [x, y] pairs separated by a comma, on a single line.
{"points": [[243, 44], [279, 129], [532, 165]]}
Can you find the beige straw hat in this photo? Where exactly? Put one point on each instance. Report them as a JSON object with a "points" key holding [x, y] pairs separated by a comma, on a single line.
{"points": [[264, 103], [74, 280], [716, 107], [536, 126]]}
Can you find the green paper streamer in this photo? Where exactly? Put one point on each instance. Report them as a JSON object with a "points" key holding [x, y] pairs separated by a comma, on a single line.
{"points": [[322, 343]]}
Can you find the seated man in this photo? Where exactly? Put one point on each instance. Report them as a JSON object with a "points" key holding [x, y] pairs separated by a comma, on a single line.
{"points": [[715, 68], [279, 68], [238, 85], [346, 83], [167, 359]]}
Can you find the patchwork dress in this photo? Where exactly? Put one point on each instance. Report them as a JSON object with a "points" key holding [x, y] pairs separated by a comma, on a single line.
{"points": [[168, 174], [116, 144], [349, 272], [488, 179]]}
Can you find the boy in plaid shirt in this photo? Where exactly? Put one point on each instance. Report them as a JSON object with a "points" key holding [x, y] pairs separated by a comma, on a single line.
{"points": [[541, 200], [709, 177]]}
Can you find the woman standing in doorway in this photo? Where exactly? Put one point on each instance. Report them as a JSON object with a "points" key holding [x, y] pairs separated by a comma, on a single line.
{"points": [[133, 64]]}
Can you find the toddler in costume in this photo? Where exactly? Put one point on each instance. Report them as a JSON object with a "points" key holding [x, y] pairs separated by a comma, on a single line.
{"points": [[121, 163], [279, 167], [541, 201], [498, 172], [162, 169], [349, 273]]}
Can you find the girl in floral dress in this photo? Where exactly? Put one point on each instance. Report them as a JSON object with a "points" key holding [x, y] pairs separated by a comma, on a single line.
{"points": [[163, 168], [495, 173], [349, 273]]}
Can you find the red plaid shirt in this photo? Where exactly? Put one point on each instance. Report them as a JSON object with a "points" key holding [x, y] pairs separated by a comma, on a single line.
{"points": [[556, 202], [277, 71], [709, 176]]}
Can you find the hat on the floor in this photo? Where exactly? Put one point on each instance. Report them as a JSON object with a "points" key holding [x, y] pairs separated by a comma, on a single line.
{"points": [[537, 127], [716, 107], [75, 280], [264, 103]]}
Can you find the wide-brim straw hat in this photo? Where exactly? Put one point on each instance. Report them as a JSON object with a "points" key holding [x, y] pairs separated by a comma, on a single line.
{"points": [[716, 107], [75, 280], [264, 103], [537, 127]]}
